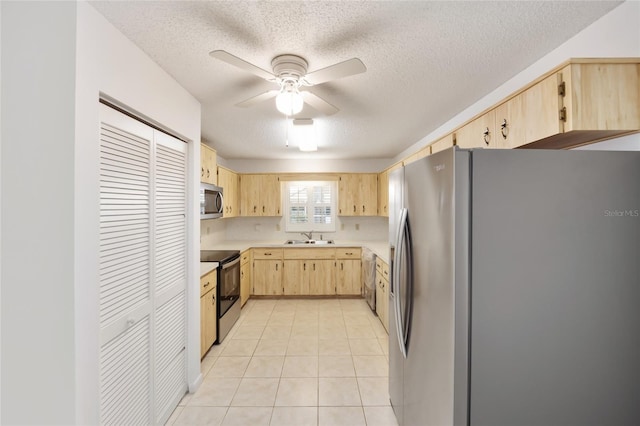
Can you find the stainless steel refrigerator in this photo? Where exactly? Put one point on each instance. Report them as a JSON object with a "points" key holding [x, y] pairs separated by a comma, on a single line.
{"points": [[515, 296]]}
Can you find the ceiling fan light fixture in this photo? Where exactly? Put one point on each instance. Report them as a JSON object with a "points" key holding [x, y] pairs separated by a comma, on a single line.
{"points": [[289, 101]]}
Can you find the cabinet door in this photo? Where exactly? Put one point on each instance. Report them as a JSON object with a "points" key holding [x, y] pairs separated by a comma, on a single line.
{"points": [[368, 194], [478, 133], [348, 187], [602, 97], [250, 195], [234, 195], [348, 275], [385, 304], [322, 277], [208, 167], [529, 116], [203, 325], [383, 194], [442, 144], [208, 331], [379, 297], [270, 198], [267, 277], [296, 277], [211, 330], [245, 282], [228, 180]]}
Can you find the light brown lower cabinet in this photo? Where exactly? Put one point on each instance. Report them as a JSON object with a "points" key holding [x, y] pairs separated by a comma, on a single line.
{"points": [[382, 292], [306, 271], [349, 271], [208, 311], [245, 276], [321, 277]]}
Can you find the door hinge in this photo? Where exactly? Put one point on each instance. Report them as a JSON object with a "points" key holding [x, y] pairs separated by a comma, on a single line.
{"points": [[563, 114], [562, 89]]}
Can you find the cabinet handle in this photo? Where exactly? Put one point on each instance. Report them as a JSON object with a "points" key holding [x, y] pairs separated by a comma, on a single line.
{"points": [[202, 171], [255, 208], [362, 209], [276, 266], [354, 208], [213, 299], [341, 266], [314, 266], [349, 254], [504, 129], [486, 135], [267, 254], [208, 173], [304, 266], [262, 209], [207, 284]]}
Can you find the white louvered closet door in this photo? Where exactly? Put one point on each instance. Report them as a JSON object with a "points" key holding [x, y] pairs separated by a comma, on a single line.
{"points": [[142, 271]]}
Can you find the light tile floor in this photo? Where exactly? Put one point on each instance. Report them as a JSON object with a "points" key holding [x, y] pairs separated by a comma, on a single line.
{"points": [[295, 362]]}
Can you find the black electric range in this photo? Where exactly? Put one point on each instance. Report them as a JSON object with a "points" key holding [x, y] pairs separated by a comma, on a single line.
{"points": [[228, 288]]}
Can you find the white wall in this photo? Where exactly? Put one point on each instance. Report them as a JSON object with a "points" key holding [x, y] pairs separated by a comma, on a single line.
{"points": [[108, 63], [624, 143], [614, 35], [38, 114], [307, 165], [57, 60], [271, 229]]}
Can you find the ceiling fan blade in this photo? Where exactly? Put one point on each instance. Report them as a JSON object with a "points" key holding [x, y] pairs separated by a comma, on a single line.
{"points": [[257, 99], [318, 103], [242, 64], [334, 72]]}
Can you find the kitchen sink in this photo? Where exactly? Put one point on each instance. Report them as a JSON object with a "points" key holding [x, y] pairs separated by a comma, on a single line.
{"points": [[306, 242]]}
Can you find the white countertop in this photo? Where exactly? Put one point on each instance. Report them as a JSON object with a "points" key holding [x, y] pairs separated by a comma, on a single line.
{"points": [[380, 248], [206, 267]]}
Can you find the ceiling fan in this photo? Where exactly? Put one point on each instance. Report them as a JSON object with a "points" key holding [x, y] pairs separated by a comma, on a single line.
{"points": [[290, 73]]}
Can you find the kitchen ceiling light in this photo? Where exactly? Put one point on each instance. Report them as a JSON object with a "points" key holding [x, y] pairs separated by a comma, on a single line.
{"points": [[289, 101]]}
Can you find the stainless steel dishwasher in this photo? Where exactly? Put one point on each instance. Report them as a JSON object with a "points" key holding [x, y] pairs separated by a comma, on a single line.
{"points": [[369, 277]]}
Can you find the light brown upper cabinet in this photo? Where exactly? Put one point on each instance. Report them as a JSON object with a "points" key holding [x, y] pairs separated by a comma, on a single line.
{"points": [[260, 195], [582, 102], [358, 194], [228, 180], [208, 165], [383, 190], [423, 152], [530, 116], [602, 97], [478, 133], [442, 143]]}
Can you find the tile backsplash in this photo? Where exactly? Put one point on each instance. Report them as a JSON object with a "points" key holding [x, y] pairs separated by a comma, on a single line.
{"points": [[272, 229]]}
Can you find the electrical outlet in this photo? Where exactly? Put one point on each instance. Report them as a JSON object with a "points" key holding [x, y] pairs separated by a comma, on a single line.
{"points": [[357, 226], [278, 227], [342, 226]]}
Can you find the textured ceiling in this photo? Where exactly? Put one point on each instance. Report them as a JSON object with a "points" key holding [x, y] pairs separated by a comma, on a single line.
{"points": [[426, 61]]}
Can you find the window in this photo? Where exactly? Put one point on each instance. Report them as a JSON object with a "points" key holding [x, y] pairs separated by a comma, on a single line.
{"points": [[310, 206]]}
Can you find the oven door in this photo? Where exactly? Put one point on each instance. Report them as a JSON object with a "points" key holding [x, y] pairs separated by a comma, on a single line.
{"points": [[228, 285]]}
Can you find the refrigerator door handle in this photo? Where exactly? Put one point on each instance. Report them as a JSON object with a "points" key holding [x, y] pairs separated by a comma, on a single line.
{"points": [[397, 285], [407, 281]]}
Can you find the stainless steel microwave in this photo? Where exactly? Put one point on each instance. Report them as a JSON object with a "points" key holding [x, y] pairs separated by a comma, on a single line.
{"points": [[211, 201]]}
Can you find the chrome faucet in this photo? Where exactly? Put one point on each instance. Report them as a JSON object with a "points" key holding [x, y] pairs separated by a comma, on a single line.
{"points": [[309, 235]]}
